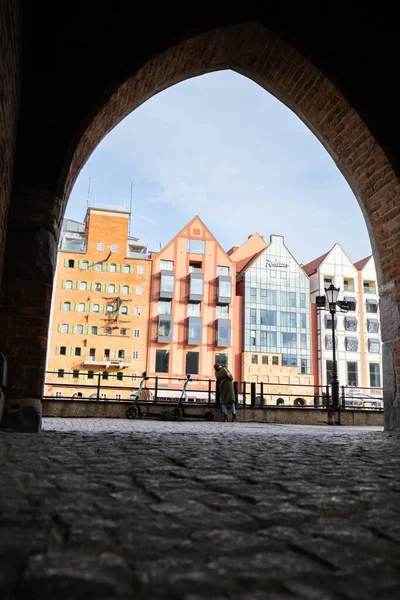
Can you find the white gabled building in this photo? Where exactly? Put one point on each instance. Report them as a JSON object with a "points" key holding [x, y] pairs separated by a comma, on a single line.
{"points": [[357, 332]]}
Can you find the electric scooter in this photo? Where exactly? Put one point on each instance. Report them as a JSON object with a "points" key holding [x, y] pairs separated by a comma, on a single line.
{"points": [[179, 411], [135, 410]]}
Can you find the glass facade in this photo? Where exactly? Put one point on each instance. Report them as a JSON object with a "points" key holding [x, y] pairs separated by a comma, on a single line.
{"points": [[276, 307]]}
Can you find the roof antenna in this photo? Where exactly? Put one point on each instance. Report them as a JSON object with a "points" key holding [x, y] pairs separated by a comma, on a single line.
{"points": [[88, 193], [130, 212]]}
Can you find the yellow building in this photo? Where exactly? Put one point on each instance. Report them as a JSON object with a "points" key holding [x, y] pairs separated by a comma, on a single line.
{"points": [[99, 318]]}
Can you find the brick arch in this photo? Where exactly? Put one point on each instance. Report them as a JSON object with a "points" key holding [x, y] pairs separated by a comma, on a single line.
{"points": [[257, 53]]}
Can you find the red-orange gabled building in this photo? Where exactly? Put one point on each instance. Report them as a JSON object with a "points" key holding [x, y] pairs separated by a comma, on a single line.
{"points": [[193, 321]]}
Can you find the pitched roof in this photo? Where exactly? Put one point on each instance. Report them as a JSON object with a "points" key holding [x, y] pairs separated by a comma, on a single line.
{"points": [[359, 265], [312, 266]]}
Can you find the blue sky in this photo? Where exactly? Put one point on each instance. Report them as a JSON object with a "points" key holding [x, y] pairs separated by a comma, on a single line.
{"points": [[222, 147]]}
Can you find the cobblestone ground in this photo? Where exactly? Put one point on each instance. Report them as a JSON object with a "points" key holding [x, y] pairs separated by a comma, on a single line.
{"points": [[110, 509]]}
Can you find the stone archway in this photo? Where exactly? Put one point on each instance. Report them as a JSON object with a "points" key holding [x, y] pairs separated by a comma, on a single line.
{"points": [[255, 52]]}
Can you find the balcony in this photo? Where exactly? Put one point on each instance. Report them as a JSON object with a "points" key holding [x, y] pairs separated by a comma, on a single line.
{"points": [[223, 332], [224, 289], [108, 364], [77, 245], [167, 281], [196, 286], [164, 329], [195, 331]]}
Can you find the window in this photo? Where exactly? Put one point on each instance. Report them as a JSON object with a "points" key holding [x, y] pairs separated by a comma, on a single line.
{"points": [[90, 375], [166, 265], [135, 354], [374, 345], [327, 281], [351, 302], [138, 311], [196, 246], [167, 283], [253, 337], [329, 367], [271, 339], [195, 330], [75, 374], [164, 328], [105, 376], [114, 248], [328, 321], [283, 275], [97, 287], [63, 350], [372, 325], [122, 331], [95, 330], [125, 289], [303, 367], [124, 310], [139, 290], [67, 306], [224, 333], [329, 343], [110, 309], [60, 373], [374, 375], [289, 360], [126, 269], [83, 285], [68, 285], [288, 299], [221, 359], [371, 306], [350, 323], [253, 294], [133, 376], [303, 320], [268, 317], [64, 328], [196, 286], [275, 360], [224, 289], [194, 309], [71, 264], [111, 288], [348, 285], [84, 265], [121, 353], [96, 308], [254, 359], [80, 307], [113, 268], [165, 307], [253, 316], [272, 274], [289, 340], [140, 270], [195, 267], [302, 300], [265, 359], [100, 247], [162, 361], [268, 296], [106, 354], [192, 363], [92, 353], [78, 351], [108, 331], [303, 340], [98, 267], [222, 311], [223, 271], [351, 344], [352, 373], [263, 335], [288, 319], [120, 376], [369, 287], [136, 333]]}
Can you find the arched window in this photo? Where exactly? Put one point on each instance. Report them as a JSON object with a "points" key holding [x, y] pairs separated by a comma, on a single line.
{"points": [[67, 306], [109, 308], [83, 285], [64, 328], [95, 308], [98, 267], [280, 402], [113, 268], [124, 310], [68, 285], [79, 329], [125, 289], [84, 265], [80, 307], [111, 288], [95, 330], [126, 269], [299, 402]]}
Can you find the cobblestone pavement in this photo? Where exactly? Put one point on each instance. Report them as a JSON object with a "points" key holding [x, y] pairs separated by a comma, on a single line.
{"points": [[110, 509]]}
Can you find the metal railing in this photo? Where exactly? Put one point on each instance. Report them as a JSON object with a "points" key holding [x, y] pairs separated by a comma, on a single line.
{"points": [[204, 391]]}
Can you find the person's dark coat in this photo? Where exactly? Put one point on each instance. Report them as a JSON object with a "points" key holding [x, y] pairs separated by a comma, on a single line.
{"points": [[225, 383]]}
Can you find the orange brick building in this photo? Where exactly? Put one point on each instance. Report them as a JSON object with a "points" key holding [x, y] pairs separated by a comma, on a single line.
{"points": [[194, 320], [99, 315]]}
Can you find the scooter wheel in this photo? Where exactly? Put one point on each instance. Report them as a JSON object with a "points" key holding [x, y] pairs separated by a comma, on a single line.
{"points": [[166, 416], [209, 416], [131, 412], [176, 414]]}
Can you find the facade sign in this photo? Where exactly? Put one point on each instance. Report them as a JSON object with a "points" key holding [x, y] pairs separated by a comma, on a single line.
{"points": [[275, 263]]}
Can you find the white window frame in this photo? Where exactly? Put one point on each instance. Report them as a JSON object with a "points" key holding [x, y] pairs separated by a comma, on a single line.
{"points": [[136, 333], [100, 246], [135, 354], [139, 290], [114, 248], [140, 269], [138, 311]]}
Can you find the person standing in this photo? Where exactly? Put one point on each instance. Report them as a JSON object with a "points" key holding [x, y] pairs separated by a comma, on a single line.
{"points": [[226, 390]]}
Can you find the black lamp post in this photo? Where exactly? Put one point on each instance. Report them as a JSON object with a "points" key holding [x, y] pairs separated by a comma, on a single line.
{"points": [[332, 294]]}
